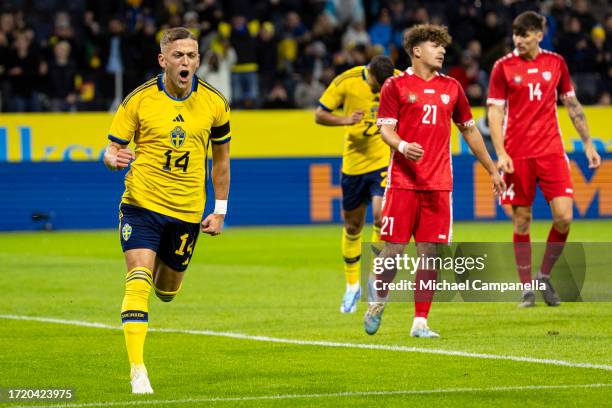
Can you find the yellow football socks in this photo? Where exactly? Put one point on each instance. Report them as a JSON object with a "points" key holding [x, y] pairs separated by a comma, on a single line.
{"points": [[375, 234], [351, 251], [166, 296], [135, 312]]}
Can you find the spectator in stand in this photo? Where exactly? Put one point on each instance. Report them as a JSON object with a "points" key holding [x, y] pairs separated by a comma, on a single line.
{"points": [[604, 99], [192, 23], [278, 98], [314, 61], [345, 12], [244, 72], [472, 79], [7, 27], [491, 35], [267, 56], [210, 15], [608, 33], [62, 76], [464, 21], [381, 33], [24, 69], [602, 60], [573, 45], [216, 69], [114, 52], [324, 31], [148, 50], [308, 91], [581, 12], [356, 34], [560, 11], [6, 39]]}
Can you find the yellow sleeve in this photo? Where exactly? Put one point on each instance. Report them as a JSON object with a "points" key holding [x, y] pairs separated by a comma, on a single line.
{"points": [[220, 131], [125, 122], [333, 97]]}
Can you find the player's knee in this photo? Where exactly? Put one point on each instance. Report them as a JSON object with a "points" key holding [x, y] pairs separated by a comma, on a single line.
{"points": [[353, 227], [563, 221], [166, 296], [522, 222]]}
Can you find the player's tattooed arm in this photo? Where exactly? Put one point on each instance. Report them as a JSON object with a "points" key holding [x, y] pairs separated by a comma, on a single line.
{"points": [[473, 138], [576, 114], [117, 156]]}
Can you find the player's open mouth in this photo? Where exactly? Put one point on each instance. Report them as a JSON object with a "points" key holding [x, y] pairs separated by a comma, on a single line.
{"points": [[184, 75]]}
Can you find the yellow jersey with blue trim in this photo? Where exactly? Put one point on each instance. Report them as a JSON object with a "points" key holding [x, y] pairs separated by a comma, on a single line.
{"points": [[171, 138], [364, 150]]}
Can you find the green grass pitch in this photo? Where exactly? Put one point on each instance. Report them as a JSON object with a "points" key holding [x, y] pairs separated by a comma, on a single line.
{"points": [[285, 283]]}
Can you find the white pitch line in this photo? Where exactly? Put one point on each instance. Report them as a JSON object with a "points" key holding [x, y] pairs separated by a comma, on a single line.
{"points": [[329, 395], [323, 343]]}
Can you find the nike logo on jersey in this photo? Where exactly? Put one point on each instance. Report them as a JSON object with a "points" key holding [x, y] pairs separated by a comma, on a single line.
{"points": [[179, 118]]}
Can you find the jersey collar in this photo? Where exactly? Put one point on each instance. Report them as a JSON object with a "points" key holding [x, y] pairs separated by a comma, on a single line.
{"points": [[516, 53], [410, 71], [161, 87]]}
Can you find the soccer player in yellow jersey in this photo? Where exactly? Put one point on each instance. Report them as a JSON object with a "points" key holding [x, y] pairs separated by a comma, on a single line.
{"points": [[364, 160], [172, 119]]}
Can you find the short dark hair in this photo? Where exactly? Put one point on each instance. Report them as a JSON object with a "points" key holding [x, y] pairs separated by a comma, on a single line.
{"points": [[381, 68], [528, 21], [438, 34], [173, 34]]}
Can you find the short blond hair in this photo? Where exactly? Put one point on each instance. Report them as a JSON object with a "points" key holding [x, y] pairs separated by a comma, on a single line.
{"points": [[173, 34]]}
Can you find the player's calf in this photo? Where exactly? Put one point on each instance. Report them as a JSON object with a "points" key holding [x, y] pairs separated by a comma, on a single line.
{"points": [[166, 296]]}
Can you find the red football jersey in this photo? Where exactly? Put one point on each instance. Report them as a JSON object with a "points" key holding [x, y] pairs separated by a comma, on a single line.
{"points": [[422, 112], [528, 89]]}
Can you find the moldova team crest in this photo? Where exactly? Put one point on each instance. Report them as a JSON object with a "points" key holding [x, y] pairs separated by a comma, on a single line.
{"points": [[445, 98], [126, 231], [412, 97], [547, 75], [518, 79], [177, 137]]}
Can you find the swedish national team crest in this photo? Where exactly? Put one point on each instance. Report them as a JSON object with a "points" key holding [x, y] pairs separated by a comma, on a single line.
{"points": [[445, 98], [126, 231], [177, 137]]}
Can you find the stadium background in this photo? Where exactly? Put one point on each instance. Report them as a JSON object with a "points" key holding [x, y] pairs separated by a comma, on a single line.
{"points": [[273, 60]]}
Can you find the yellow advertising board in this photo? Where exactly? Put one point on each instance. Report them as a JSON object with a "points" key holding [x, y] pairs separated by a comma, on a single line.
{"points": [[82, 136]]}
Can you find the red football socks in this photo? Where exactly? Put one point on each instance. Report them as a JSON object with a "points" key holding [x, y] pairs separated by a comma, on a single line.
{"points": [[423, 297], [554, 247], [522, 255]]}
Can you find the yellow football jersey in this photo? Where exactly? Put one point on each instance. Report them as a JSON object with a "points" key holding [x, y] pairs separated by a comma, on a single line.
{"points": [[364, 150], [171, 137]]}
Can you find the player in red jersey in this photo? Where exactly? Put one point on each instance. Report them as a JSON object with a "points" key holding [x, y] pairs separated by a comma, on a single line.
{"points": [[415, 113], [522, 101]]}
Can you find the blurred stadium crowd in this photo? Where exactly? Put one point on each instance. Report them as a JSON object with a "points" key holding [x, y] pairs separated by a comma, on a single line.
{"points": [[65, 55]]}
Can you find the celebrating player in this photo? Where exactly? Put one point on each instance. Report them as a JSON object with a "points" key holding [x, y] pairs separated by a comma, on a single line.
{"points": [[529, 146], [415, 115], [172, 119], [364, 160]]}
